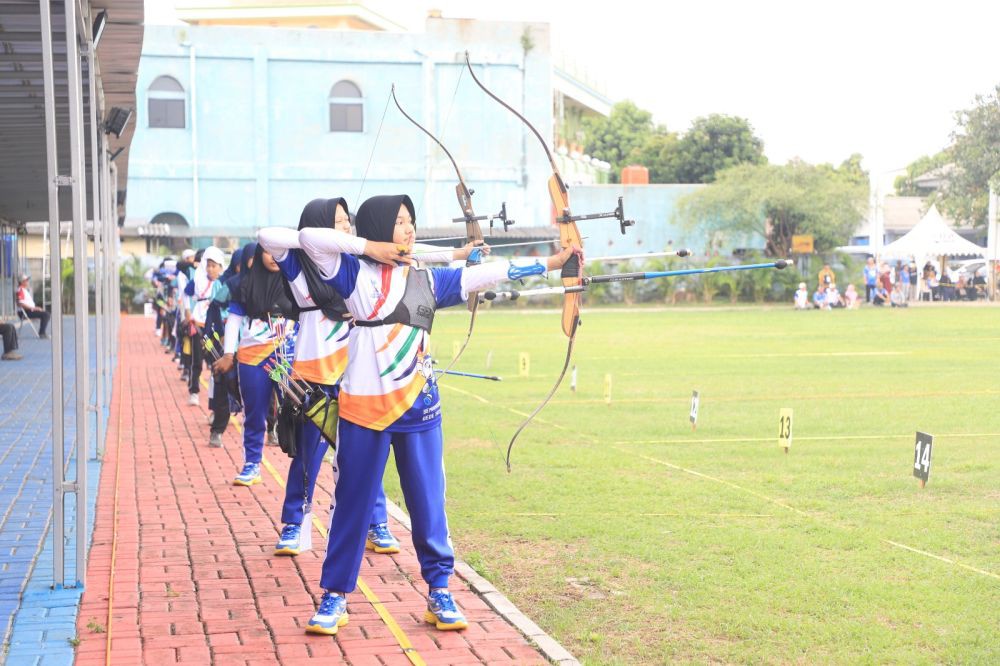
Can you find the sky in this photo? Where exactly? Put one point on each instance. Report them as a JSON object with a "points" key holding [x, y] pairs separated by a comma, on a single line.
{"points": [[817, 80]]}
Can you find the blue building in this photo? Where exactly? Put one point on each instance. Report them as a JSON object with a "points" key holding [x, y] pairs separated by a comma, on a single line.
{"points": [[238, 126]]}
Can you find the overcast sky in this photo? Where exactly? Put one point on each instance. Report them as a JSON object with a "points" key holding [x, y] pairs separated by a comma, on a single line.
{"points": [[817, 80]]}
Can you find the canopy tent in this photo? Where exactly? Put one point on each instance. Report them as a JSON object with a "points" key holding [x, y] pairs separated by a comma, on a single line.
{"points": [[932, 237]]}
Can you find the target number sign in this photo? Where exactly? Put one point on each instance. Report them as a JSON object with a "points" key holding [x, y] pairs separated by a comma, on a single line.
{"points": [[922, 456], [785, 428], [693, 416]]}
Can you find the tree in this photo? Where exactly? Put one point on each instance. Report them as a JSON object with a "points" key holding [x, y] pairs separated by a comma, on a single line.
{"points": [[714, 143], [777, 202], [906, 185], [613, 139], [975, 152]]}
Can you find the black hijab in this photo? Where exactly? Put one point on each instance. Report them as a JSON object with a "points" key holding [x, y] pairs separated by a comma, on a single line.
{"points": [[263, 293], [320, 213], [377, 216]]}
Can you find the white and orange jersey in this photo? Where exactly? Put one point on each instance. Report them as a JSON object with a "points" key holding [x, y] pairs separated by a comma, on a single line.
{"points": [[322, 344], [389, 382], [255, 340]]}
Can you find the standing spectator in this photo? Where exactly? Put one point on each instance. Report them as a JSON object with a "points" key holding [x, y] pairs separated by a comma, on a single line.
{"points": [[930, 282], [871, 275], [802, 297], [9, 342], [911, 268], [27, 303], [826, 276], [903, 280], [898, 296], [885, 277]]}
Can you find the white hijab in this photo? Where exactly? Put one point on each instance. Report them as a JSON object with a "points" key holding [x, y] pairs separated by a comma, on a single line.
{"points": [[201, 281]]}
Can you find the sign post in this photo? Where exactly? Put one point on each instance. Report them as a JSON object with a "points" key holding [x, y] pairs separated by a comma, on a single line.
{"points": [[922, 457], [693, 416], [785, 428]]}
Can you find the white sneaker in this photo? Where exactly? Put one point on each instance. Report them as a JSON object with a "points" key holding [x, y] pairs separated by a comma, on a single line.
{"points": [[193, 399]]}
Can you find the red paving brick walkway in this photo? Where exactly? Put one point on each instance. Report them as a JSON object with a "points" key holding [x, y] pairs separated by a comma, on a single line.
{"points": [[195, 580]]}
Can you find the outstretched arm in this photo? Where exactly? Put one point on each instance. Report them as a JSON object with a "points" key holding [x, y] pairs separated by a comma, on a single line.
{"points": [[278, 241]]}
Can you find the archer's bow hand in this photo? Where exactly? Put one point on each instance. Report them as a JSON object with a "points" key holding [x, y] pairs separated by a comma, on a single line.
{"points": [[463, 252], [556, 261]]}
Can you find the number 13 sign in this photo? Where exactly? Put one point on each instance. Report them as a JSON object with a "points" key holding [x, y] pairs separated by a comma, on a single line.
{"points": [[922, 457]]}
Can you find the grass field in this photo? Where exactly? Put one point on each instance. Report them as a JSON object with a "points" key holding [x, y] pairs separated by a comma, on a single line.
{"points": [[632, 539]]}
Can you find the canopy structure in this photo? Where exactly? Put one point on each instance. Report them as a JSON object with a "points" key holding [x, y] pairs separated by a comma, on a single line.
{"points": [[932, 237]]}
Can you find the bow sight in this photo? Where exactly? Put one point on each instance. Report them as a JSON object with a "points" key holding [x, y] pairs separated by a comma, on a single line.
{"points": [[502, 216], [618, 213]]}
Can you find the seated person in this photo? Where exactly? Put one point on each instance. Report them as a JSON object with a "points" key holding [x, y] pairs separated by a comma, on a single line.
{"points": [[802, 297], [833, 298], [9, 334], [851, 298], [881, 296], [27, 303], [946, 287], [898, 298], [819, 298]]}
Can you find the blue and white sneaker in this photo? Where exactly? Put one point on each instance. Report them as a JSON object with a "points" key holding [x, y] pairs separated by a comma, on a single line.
{"points": [[443, 613], [330, 616], [250, 476], [380, 539], [295, 538]]}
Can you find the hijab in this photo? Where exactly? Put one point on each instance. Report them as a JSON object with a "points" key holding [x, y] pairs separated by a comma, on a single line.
{"points": [[263, 293], [234, 262], [319, 213], [202, 285], [376, 217]]}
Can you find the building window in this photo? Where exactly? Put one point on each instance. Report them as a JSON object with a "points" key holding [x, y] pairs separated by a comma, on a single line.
{"points": [[166, 103], [346, 108]]}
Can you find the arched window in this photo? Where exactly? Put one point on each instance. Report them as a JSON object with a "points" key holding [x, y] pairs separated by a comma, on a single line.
{"points": [[346, 108], [166, 103]]}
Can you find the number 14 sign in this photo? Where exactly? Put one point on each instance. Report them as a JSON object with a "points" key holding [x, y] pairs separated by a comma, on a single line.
{"points": [[922, 457]]}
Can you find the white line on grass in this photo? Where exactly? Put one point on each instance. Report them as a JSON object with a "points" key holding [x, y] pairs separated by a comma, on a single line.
{"points": [[783, 505], [798, 438], [808, 515]]}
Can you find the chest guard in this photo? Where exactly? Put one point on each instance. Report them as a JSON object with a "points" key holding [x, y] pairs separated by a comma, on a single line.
{"points": [[416, 308]]}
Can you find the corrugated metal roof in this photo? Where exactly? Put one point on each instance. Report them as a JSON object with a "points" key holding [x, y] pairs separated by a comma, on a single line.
{"points": [[23, 189]]}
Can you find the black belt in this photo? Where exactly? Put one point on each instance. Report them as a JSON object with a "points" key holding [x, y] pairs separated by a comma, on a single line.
{"points": [[312, 309], [371, 323]]}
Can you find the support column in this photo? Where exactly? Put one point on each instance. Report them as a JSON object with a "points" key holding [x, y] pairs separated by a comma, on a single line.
{"points": [[81, 305], [53, 180]]}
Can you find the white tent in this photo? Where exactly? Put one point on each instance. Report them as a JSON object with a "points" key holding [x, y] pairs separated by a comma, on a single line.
{"points": [[932, 237]]}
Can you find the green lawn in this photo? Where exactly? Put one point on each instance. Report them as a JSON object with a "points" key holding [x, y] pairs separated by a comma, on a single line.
{"points": [[632, 539]]}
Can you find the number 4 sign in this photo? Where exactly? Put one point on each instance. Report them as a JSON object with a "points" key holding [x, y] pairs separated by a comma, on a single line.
{"points": [[922, 457]]}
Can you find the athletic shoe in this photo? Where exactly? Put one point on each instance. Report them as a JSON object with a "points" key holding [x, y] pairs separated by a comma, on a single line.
{"points": [[193, 399], [43, 336], [250, 476], [272, 438], [210, 417], [291, 542], [380, 540], [12, 356], [185, 376], [215, 440], [330, 616], [443, 613]]}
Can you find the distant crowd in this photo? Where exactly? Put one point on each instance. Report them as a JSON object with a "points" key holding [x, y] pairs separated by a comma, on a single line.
{"points": [[892, 286]]}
